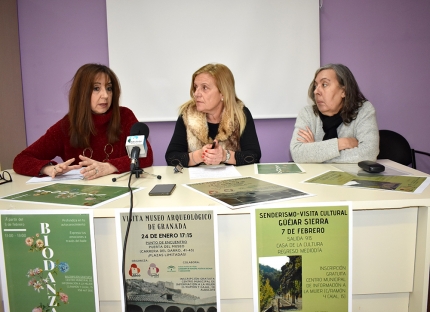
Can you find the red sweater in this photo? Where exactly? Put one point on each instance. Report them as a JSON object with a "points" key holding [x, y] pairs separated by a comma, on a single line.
{"points": [[56, 142]]}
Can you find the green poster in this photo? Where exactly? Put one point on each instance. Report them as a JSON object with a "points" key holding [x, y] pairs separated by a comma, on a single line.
{"points": [[410, 184], [303, 259], [48, 262], [71, 194], [277, 168], [170, 260]]}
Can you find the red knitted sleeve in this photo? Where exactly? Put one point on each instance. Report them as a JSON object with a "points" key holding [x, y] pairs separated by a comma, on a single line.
{"points": [[40, 153]]}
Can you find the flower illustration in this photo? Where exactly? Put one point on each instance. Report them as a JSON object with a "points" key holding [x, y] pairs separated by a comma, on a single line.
{"points": [[64, 297], [29, 241], [39, 283], [39, 245], [63, 267], [37, 271], [37, 286]]}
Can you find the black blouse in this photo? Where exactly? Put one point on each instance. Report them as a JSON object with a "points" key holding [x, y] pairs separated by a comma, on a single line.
{"points": [[249, 153]]}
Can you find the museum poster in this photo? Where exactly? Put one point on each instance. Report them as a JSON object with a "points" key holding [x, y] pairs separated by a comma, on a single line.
{"points": [[171, 259], [48, 261], [302, 258]]}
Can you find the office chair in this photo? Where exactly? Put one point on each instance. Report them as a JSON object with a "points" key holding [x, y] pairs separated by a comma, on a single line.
{"points": [[414, 151], [395, 147]]}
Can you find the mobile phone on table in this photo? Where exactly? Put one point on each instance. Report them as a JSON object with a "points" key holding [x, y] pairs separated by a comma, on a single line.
{"points": [[162, 190]]}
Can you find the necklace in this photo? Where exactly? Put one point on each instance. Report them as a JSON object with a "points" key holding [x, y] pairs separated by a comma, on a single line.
{"points": [[108, 149]]}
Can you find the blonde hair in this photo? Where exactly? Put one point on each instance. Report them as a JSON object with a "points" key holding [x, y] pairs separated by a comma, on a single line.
{"points": [[225, 83]]}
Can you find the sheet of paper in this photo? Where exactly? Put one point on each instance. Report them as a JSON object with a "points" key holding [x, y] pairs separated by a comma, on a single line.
{"points": [[71, 175], [210, 172]]}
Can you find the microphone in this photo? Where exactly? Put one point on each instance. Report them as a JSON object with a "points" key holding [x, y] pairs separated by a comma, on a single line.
{"points": [[136, 143]]}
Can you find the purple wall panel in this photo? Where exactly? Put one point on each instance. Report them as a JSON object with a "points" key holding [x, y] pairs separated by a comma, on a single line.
{"points": [[385, 43], [56, 38]]}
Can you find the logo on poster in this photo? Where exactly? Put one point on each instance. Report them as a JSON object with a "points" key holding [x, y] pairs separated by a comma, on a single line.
{"points": [[153, 270], [134, 270], [171, 268]]}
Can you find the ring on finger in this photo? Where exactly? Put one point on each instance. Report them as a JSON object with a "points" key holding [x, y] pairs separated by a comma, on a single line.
{"points": [[55, 169], [97, 171]]}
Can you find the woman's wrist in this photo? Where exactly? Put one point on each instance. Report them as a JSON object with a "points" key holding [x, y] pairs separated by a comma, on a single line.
{"points": [[193, 158], [44, 171], [225, 156], [111, 168]]}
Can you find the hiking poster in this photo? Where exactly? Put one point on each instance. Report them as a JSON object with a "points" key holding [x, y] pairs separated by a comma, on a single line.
{"points": [[410, 184], [302, 258]]}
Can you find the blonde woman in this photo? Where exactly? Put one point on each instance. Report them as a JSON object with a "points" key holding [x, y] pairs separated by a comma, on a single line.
{"points": [[214, 126]]}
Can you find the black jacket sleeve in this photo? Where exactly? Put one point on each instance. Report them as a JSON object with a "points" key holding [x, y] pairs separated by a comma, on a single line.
{"points": [[249, 146], [177, 151], [250, 152]]}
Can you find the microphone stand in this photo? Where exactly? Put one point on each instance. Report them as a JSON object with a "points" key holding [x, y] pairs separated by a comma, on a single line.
{"points": [[138, 171], [134, 169], [124, 247]]}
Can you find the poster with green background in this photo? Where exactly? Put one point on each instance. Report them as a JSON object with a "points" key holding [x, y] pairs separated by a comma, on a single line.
{"points": [[303, 258], [71, 194], [48, 262]]}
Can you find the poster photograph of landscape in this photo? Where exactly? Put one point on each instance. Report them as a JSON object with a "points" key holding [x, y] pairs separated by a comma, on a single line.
{"points": [[280, 283]]}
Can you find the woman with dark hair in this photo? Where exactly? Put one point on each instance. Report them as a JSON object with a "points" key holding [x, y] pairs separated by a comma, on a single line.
{"points": [[340, 127], [214, 126], [91, 136]]}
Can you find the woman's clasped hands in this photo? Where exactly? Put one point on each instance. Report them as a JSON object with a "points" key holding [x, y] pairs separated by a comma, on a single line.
{"points": [[212, 156]]}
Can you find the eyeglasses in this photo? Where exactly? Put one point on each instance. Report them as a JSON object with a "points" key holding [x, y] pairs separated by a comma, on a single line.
{"points": [[5, 177]]}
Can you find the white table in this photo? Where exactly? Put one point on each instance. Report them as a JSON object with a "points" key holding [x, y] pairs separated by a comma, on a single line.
{"points": [[391, 237]]}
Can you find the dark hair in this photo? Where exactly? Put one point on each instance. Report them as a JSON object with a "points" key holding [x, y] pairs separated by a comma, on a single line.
{"points": [[353, 99], [80, 113]]}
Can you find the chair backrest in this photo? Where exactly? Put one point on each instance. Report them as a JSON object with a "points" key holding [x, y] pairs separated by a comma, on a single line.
{"points": [[395, 147]]}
